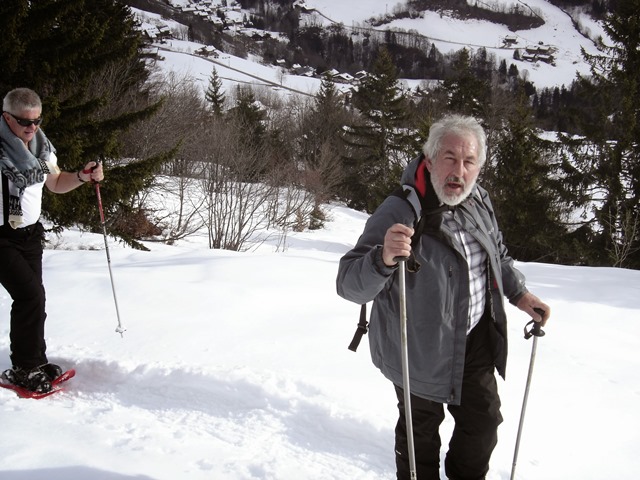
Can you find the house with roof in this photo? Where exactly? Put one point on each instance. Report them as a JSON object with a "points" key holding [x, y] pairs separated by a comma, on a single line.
{"points": [[208, 51], [343, 78], [330, 73], [304, 71]]}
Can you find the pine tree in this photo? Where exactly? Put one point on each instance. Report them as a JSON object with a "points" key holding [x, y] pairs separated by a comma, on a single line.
{"points": [[468, 92], [249, 117], [525, 195], [215, 93], [83, 59], [321, 141], [378, 145], [609, 157], [319, 125], [502, 71]]}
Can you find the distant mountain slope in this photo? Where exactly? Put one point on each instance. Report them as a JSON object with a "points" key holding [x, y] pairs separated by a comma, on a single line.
{"points": [[548, 55], [562, 32]]}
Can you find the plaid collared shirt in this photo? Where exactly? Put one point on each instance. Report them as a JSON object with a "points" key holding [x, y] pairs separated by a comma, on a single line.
{"points": [[477, 262]]}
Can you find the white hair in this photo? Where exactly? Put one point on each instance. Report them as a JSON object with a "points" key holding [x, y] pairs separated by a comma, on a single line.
{"points": [[458, 125], [20, 99]]}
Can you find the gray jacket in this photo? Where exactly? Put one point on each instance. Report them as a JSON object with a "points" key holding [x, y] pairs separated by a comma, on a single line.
{"points": [[437, 295]]}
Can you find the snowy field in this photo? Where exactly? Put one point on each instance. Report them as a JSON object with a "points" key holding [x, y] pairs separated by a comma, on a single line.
{"points": [[235, 366]]}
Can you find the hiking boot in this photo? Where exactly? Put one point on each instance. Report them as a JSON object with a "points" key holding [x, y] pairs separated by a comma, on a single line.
{"points": [[34, 379], [52, 370]]}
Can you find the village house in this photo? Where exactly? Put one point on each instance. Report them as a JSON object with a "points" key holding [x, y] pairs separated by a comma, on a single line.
{"points": [[305, 71], [208, 51]]}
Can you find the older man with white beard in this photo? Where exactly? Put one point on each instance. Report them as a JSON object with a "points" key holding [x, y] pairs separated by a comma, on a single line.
{"points": [[455, 302]]}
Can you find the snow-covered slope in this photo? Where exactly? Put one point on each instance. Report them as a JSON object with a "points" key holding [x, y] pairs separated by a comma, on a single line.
{"points": [[234, 366], [449, 34]]}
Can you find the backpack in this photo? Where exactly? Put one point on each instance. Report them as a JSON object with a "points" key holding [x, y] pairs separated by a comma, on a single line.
{"points": [[424, 204]]}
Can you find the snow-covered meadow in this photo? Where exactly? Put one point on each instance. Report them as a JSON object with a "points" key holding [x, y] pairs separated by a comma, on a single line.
{"points": [[235, 366]]}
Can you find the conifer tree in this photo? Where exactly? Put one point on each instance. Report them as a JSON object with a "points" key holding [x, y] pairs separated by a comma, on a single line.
{"points": [[249, 117], [468, 92], [609, 156], [324, 121], [528, 200], [83, 59], [215, 93], [321, 140], [378, 146]]}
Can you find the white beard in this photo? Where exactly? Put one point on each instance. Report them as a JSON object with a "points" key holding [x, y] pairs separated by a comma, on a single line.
{"points": [[451, 199]]}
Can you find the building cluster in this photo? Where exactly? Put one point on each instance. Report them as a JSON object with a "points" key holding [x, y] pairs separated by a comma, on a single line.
{"points": [[221, 13], [157, 32], [531, 53]]}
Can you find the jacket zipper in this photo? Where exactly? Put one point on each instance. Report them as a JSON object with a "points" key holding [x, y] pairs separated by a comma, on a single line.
{"points": [[453, 393]]}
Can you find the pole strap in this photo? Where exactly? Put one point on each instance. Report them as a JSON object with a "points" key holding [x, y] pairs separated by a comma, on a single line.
{"points": [[362, 329], [534, 331]]}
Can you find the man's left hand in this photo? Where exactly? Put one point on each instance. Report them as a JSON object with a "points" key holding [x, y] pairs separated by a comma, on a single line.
{"points": [[529, 302]]}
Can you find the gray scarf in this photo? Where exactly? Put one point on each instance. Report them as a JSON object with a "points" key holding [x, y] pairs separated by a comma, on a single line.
{"points": [[23, 167]]}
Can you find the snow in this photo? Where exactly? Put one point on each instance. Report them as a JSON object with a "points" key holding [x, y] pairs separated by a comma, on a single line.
{"points": [[235, 366], [448, 34], [181, 60]]}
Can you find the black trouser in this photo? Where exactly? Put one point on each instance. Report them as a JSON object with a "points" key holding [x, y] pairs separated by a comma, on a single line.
{"points": [[476, 420], [21, 276]]}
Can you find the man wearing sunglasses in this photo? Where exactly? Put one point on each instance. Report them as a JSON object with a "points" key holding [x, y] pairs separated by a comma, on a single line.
{"points": [[27, 163]]}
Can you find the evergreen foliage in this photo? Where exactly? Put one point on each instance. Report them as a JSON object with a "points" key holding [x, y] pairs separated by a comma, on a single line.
{"points": [[468, 88], [607, 159], [524, 191], [215, 93], [249, 117], [378, 146], [321, 142], [83, 59]]}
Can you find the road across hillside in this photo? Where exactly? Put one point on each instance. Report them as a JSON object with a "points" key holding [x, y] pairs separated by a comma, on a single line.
{"points": [[251, 75]]}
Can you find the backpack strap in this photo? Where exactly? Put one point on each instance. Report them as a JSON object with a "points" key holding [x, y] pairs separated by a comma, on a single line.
{"points": [[416, 196], [361, 330], [410, 194], [5, 199]]}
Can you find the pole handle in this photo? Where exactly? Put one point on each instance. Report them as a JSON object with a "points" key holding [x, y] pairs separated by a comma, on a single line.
{"points": [[536, 329], [90, 170]]}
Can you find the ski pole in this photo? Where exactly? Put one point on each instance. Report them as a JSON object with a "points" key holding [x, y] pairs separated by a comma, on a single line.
{"points": [[535, 332], [119, 328], [405, 367]]}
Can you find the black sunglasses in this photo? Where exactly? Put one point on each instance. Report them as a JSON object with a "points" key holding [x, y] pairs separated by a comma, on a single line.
{"points": [[25, 122]]}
